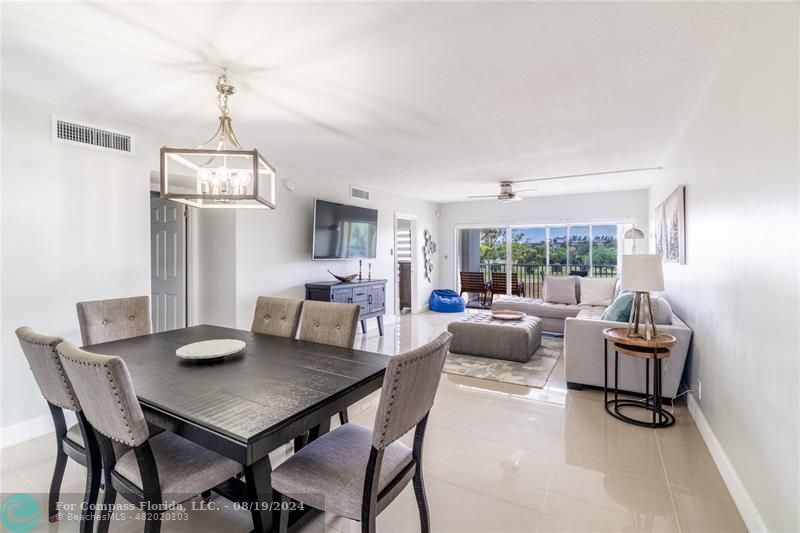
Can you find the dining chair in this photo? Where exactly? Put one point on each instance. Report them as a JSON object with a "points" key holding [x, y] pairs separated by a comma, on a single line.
{"points": [[277, 316], [356, 472], [40, 351], [160, 470], [114, 319], [330, 323]]}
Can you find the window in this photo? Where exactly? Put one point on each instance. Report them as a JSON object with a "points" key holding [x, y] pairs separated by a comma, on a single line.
{"points": [[580, 253], [529, 253]]}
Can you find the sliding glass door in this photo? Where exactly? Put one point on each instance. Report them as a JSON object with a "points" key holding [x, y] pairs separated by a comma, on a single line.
{"points": [[526, 254]]}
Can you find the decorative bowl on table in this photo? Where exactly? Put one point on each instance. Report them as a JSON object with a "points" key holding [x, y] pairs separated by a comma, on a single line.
{"points": [[501, 314], [345, 279], [210, 350]]}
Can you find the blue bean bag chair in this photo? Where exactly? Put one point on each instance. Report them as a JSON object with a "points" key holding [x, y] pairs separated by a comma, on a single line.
{"points": [[446, 301]]}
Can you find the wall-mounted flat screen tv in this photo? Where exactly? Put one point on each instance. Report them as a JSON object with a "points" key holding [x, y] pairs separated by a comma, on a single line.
{"points": [[344, 231]]}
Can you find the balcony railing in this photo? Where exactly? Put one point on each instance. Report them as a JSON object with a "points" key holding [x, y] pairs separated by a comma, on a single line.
{"points": [[532, 276]]}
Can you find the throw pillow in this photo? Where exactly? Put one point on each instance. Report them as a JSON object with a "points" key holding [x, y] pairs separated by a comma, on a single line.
{"points": [[662, 311], [620, 308], [597, 291], [560, 290]]}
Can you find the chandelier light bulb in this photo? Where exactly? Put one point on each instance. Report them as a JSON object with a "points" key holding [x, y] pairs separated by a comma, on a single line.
{"points": [[224, 173], [203, 175], [246, 178]]}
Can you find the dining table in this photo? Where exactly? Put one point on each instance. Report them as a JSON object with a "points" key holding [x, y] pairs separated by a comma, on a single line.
{"points": [[277, 391]]}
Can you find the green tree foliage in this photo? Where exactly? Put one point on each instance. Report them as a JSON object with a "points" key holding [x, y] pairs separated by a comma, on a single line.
{"points": [[525, 252]]}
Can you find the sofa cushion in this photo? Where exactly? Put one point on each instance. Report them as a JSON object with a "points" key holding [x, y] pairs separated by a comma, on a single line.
{"points": [[594, 312], [560, 290], [597, 291], [620, 308]]}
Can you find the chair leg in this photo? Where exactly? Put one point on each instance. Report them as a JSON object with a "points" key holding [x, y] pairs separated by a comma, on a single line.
{"points": [[422, 501], [368, 526], [109, 498], [284, 516], [153, 523], [343, 418], [418, 481], [94, 474], [60, 425], [55, 483], [90, 498]]}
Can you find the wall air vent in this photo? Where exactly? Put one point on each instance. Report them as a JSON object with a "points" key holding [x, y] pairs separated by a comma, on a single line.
{"points": [[358, 193], [74, 132]]}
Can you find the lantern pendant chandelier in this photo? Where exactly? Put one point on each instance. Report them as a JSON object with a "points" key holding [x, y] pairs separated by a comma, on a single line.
{"points": [[219, 173]]}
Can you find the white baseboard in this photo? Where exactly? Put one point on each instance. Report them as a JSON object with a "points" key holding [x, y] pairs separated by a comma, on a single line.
{"points": [[422, 309], [31, 429], [747, 508]]}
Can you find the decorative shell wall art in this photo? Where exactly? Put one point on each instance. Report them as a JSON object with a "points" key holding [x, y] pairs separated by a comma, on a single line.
{"points": [[428, 249]]}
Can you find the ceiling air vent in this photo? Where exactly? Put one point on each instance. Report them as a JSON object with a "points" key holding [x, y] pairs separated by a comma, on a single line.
{"points": [[74, 132], [357, 193]]}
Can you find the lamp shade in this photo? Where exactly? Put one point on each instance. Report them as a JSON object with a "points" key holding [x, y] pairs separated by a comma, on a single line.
{"points": [[642, 273]]}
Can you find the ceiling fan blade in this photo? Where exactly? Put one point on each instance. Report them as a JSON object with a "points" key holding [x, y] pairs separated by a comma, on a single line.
{"points": [[525, 190], [483, 196], [567, 176]]}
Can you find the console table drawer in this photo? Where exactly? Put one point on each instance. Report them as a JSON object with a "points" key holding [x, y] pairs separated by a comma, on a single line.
{"points": [[342, 295], [361, 293]]}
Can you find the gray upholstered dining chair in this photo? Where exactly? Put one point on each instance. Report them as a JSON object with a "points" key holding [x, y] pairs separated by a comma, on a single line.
{"points": [[277, 316], [330, 323], [160, 470], [40, 351], [114, 319], [356, 472]]}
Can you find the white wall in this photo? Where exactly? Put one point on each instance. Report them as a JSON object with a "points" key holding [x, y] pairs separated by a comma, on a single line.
{"points": [[75, 226], [214, 269], [273, 248], [621, 206], [739, 288]]}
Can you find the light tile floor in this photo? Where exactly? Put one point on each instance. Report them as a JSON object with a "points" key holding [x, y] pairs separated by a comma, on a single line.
{"points": [[497, 457]]}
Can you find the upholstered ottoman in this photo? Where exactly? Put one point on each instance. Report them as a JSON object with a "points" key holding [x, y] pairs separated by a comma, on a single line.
{"points": [[511, 340]]}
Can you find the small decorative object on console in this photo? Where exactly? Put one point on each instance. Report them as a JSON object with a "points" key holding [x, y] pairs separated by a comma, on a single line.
{"points": [[345, 279]]}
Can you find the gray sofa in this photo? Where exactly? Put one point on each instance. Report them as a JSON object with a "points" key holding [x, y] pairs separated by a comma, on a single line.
{"points": [[583, 354], [583, 344]]}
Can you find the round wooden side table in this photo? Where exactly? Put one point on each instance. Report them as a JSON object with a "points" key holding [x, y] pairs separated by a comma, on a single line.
{"points": [[656, 349]]}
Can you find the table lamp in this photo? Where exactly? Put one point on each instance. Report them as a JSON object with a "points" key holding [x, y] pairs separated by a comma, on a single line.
{"points": [[642, 274]]}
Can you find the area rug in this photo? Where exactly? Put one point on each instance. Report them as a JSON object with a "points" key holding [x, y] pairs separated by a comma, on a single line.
{"points": [[534, 373]]}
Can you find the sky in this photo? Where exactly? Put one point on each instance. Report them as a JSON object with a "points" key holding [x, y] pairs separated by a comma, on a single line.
{"points": [[538, 234]]}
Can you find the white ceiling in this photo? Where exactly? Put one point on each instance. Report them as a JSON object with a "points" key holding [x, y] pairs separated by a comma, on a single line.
{"points": [[433, 100]]}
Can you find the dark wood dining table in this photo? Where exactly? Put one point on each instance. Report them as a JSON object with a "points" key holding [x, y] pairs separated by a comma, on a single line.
{"points": [[245, 406]]}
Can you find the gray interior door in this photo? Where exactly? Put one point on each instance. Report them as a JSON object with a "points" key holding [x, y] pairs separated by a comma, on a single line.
{"points": [[167, 264]]}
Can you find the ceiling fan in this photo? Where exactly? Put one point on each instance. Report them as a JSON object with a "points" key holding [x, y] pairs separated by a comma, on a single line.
{"points": [[508, 194]]}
